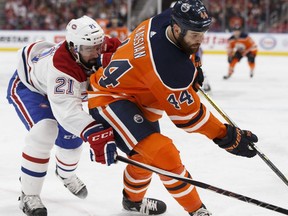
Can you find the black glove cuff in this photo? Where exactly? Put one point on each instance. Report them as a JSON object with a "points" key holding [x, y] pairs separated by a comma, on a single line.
{"points": [[227, 141]]}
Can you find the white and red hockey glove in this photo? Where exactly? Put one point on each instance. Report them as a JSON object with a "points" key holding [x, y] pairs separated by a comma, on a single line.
{"points": [[102, 144], [103, 147], [109, 46]]}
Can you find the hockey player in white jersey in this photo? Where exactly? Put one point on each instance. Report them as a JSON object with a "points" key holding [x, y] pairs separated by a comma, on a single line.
{"points": [[47, 91]]}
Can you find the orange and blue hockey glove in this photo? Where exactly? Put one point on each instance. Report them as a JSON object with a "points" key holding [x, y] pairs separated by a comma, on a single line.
{"points": [[198, 81], [237, 141]]}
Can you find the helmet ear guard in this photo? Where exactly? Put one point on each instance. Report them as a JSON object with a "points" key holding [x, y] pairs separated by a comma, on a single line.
{"points": [[190, 15]]}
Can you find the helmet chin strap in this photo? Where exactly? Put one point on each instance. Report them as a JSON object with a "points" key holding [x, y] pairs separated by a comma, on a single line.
{"points": [[177, 40], [181, 36]]}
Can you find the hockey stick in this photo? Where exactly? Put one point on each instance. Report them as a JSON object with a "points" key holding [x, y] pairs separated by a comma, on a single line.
{"points": [[252, 145], [203, 185]]}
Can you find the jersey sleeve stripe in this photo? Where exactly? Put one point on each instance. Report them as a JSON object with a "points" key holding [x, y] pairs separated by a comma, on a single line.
{"points": [[194, 120], [200, 124]]}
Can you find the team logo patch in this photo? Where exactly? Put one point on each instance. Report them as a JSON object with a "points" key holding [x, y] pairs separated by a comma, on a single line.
{"points": [[268, 42], [138, 118], [185, 7]]}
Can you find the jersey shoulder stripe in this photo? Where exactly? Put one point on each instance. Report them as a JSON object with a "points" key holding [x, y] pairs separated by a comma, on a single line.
{"points": [[64, 62]]}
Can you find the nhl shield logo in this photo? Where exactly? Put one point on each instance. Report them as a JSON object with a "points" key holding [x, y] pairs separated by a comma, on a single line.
{"points": [[138, 118]]}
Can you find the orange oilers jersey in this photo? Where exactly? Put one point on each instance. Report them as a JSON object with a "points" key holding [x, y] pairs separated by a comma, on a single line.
{"points": [[243, 44], [151, 71]]}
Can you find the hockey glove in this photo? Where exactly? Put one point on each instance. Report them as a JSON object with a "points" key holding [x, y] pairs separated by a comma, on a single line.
{"points": [[198, 81], [237, 141], [109, 46], [103, 147]]}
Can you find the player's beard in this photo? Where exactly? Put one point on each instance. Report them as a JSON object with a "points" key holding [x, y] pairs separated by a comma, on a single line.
{"points": [[90, 66], [90, 63], [188, 49]]}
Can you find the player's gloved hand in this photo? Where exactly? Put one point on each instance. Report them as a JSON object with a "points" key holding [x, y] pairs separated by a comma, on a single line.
{"points": [[237, 141], [109, 46], [198, 81], [103, 147]]}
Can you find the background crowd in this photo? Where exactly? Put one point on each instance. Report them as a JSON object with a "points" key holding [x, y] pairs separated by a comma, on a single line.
{"points": [[254, 15], [55, 14]]}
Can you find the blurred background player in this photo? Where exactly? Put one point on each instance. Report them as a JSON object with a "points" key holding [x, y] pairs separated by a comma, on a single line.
{"points": [[149, 74], [47, 91], [240, 45], [116, 29]]}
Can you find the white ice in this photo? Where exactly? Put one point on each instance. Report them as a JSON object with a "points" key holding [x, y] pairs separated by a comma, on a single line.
{"points": [[259, 104]]}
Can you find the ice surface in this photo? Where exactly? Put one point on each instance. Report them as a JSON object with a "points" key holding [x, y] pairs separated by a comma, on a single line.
{"points": [[259, 104]]}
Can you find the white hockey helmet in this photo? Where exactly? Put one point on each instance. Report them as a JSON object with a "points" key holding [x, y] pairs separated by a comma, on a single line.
{"points": [[84, 31]]}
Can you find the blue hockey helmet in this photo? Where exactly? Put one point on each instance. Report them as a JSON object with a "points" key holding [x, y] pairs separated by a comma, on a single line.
{"points": [[191, 15]]}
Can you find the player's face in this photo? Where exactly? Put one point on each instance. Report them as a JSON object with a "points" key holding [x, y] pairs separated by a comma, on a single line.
{"points": [[89, 54], [192, 41], [236, 33]]}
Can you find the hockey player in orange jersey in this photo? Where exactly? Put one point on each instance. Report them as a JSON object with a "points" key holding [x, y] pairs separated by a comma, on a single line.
{"points": [[151, 73], [240, 44]]}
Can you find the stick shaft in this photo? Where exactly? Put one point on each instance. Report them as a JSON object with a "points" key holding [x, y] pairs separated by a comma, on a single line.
{"points": [[203, 185], [252, 145]]}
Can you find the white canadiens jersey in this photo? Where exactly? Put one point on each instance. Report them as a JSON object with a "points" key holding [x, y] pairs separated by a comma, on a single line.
{"points": [[50, 70]]}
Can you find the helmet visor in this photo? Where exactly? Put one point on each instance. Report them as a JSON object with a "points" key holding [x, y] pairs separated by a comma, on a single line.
{"points": [[90, 50], [195, 36]]}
